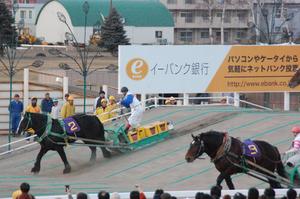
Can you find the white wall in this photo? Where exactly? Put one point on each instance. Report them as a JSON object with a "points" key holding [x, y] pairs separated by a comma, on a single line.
{"points": [[49, 26], [139, 35]]}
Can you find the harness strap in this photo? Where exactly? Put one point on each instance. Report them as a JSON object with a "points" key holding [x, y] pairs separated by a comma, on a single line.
{"points": [[223, 149], [48, 131]]}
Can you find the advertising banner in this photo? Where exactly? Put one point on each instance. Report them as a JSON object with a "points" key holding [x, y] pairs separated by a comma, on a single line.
{"points": [[207, 68]]}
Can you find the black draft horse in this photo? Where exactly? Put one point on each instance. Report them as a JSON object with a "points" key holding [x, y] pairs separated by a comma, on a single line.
{"points": [[212, 143], [295, 80], [90, 128]]}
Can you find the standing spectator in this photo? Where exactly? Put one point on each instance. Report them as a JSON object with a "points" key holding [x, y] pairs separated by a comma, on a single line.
{"points": [[33, 107], [239, 195], [291, 194], [55, 109], [253, 193], [103, 195], [226, 196], [47, 104], [134, 195], [165, 196], [215, 192], [97, 102], [158, 193], [112, 106], [16, 194], [68, 108], [102, 112], [16, 109], [66, 96], [115, 195], [269, 193], [25, 187], [199, 195]]}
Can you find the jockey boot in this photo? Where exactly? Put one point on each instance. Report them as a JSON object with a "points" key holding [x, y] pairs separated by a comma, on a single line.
{"points": [[127, 128], [290, 164]]}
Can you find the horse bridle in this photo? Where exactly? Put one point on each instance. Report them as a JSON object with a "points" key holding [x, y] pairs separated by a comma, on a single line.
{"points": [[29, 122], [200, 149]]}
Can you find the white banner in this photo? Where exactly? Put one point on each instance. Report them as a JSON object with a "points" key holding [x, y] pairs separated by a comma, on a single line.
{"points": [[213, 68], [168, 69]]}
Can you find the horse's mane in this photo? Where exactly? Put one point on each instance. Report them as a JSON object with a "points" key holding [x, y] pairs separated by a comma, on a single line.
{"points": [[212, 133]]}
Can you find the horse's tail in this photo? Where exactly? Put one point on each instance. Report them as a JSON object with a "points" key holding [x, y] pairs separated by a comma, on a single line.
{"points": [[279, 166]]}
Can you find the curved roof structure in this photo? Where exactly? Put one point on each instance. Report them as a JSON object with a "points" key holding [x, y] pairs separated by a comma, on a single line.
{"points": [[140, 13]]}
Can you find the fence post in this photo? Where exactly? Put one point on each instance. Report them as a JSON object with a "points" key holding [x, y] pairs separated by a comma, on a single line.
{"points": [[155, 101], [65, 86], [26, 87], [286, 101], [185, 99], [236, 99], [143, 101]]}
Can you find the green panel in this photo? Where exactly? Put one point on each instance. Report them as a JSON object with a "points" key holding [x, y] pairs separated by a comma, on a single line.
{"points": [[146, 13]]}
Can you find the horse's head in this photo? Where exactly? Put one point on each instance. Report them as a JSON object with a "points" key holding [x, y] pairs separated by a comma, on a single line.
{"points": [[25, 124], [196, 148], [295, 80]]}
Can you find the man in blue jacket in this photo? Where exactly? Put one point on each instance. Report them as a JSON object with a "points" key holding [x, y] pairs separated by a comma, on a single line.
{"points": [[47, 104], [16, 109]]}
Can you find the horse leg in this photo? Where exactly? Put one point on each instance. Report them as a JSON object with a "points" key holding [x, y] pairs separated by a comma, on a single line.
{"points": [[37, 164], [63, 156], [220, 179], [229, 182], [93, 155], [105, 152], [274, 184]]}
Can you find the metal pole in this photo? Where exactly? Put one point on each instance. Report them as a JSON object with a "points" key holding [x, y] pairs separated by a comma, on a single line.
{"points": [[10, 99], [84, 66], [84, 92]]}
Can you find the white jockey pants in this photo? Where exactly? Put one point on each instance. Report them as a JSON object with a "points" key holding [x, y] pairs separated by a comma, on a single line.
{"points": [[136, 116], [295, 159]]}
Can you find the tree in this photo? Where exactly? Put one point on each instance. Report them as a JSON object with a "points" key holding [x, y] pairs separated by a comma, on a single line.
{"points": [[8, 32], [113, 33], [269, 19]]}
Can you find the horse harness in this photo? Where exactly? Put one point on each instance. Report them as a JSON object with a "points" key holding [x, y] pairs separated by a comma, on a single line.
{"points": [[48, 131], [223, 149]]}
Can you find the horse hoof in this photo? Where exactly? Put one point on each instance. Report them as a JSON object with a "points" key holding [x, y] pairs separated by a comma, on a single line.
{"points": [[67, 170], [35, 170], [107, 155], [92, 161]]}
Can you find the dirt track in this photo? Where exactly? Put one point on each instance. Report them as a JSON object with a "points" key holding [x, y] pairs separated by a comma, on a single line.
{"points": [[161, 165]]}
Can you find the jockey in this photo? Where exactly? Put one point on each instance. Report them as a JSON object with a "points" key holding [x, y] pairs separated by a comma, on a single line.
{"points": [[130, 101], [293, 160]]}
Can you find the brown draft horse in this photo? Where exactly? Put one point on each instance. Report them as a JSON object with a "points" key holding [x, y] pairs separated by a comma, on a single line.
{"points": [[295, 80], [218, 146]]}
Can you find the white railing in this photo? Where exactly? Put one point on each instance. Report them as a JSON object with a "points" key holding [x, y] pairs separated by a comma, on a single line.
{"points": [[154, 105], [11, 144], [179, 194]]}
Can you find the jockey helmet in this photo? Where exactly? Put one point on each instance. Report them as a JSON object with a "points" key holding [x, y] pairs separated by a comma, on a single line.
{"points": [[112, 98], [55, 100], [296, 129], [124, 89], [70, 97], [33, 98]]}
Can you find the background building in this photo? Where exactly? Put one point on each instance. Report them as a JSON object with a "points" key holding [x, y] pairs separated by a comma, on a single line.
{"points": [[200, 21], [145, 22]]}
